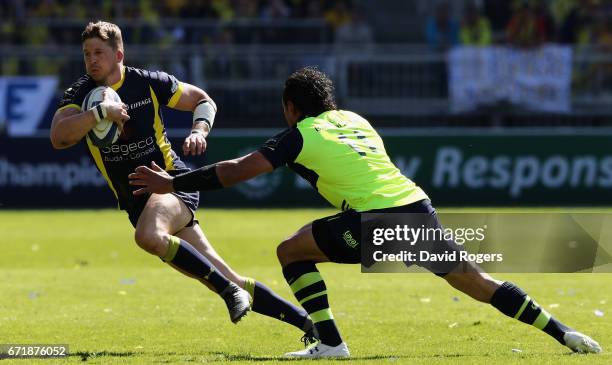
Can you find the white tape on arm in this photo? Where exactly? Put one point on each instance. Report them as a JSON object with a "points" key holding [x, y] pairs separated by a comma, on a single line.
{"points": [[99, 112], [205, 112]]}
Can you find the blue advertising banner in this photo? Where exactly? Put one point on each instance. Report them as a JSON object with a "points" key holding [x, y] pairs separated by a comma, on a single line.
{"points": [[24, 102], [454, 170]]}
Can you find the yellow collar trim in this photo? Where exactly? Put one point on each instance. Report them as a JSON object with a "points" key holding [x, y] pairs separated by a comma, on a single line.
{"points": [[118, 84]]}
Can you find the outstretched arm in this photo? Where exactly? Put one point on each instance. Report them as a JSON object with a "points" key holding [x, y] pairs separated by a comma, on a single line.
{"points": [[216, 176]]}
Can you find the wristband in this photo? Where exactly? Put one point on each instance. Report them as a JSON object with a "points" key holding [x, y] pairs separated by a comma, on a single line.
{"points": [[99, 112], [204, 178], [205, 112]]}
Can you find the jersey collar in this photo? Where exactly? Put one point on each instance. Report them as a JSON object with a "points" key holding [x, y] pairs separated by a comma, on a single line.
{"points": [[118, 84]]}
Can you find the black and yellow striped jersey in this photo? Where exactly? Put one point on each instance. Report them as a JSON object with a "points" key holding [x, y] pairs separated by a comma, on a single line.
{"points": [[144, 136]]}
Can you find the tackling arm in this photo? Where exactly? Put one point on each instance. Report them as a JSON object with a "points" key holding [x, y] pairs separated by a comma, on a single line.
{"points": [[243, 168], [217, 176]]}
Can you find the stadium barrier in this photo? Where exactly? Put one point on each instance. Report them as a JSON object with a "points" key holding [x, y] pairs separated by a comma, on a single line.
{"points": [[462, 168]]}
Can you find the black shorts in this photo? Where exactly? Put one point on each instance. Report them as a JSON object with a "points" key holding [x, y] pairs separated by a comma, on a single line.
{"points": [[339, 236], [191, 201]]}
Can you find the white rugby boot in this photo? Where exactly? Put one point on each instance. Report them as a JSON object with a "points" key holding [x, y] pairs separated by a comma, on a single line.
{"points": [[321, 350], [581, 343]]}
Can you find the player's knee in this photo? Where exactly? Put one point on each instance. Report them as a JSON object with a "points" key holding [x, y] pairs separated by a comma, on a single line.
{"points": [[150, 241], [488, 287], [478, 286], [483, 287], [284, 252], [281, 251]]}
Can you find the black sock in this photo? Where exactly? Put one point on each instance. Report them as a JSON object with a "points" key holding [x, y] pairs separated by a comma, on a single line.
{"points": [[182, 255], [268, 303], [310, 290], [514, 302]]}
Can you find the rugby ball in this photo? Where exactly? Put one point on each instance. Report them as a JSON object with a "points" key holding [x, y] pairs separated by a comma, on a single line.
{"points": [[105, 132]]}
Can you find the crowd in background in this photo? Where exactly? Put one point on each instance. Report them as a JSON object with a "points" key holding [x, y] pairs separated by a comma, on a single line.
{"points": [[167, 23], [185, 22], [357, 23], [191, 24], [522, 23], [528, 24]]}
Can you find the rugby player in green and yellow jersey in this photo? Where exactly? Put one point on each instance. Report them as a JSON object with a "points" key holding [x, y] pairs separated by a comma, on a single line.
{"points": [[344, 158]]}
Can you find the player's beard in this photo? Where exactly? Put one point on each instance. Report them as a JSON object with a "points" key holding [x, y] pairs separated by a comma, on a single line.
{"points": [[99, 77]]}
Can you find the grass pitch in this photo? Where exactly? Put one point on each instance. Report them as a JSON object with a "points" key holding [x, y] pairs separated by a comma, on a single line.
{"points": [[77, 278]]}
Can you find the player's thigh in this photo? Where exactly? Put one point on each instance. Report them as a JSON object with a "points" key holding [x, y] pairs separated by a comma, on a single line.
{"points": [[339, 237], [196, 237], [335, 238], [163, 214]]}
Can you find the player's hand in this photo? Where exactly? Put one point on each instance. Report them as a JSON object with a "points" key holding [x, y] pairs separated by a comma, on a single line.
{"points": [[195, 144], [117, 112], [151, 180]]}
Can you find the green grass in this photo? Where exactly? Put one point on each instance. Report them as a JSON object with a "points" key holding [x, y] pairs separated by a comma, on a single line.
{"points": [[77, 278]]}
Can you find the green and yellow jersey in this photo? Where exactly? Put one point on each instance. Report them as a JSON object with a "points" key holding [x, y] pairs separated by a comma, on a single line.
{"points": [[344, 158]]}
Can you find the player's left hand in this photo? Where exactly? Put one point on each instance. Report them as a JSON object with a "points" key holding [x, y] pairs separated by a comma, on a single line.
{"points": [[152, 180], [195, 144]]}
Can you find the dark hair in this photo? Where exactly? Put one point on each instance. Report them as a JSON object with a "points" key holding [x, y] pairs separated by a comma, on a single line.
{"points": [[108, 32], [311, 91]]}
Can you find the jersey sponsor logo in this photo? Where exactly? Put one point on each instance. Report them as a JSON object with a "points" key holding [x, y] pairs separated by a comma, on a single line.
{"points": [[128, 151], [140, 103], [348, 238]]}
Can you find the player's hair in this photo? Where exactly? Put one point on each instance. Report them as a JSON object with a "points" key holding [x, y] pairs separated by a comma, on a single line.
{"points": [[311, 91], [108, 32]]}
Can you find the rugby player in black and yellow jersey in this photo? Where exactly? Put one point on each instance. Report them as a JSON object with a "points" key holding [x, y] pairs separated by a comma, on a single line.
{"points": [[165, 224], [344, 158]]}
